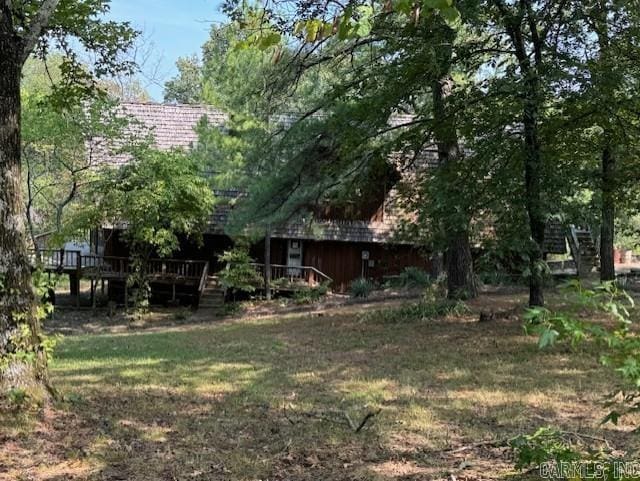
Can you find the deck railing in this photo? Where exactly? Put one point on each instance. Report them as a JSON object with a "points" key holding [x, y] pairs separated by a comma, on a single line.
{"points": [[59, 259], [303, 274], [203, 278], [93, 265]]}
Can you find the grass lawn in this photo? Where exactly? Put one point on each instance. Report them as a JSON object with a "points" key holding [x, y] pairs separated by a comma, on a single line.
{"points": [[268, 398]]}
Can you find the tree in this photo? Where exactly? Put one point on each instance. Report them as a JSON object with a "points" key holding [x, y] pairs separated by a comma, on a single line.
{"points": [[158, 195], [383, 66], [59, 144], [609, 100], [504, 91], [186, 87], [233, 79], [39, 27]]}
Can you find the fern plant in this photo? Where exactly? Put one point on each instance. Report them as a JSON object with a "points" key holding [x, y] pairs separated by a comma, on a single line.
{"points": [[361, 288]]}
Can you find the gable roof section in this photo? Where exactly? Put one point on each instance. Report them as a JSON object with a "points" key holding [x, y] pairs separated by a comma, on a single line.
{"points": [[173, 125], [169, 125], [318, 230]]}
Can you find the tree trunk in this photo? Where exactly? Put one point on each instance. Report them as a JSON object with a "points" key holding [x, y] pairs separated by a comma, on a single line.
{"points": [[608, 164], [532, 157], [533, 198], [267, 265], [18, 303], [461, 282], [607, 232]]}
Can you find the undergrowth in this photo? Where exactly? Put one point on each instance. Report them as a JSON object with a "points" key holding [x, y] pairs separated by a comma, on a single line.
{"points": [[420, 311]]}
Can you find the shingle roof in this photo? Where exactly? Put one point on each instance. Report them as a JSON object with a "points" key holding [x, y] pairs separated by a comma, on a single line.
{"points": [[319, 230], [169, 125], [339, 230], [173, 125]]}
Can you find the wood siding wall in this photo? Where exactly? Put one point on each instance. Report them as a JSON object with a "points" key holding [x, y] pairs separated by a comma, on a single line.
{"points": [[342, 261]]}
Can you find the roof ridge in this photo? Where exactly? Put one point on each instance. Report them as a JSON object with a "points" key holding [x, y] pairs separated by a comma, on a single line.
{"points": [[167, 104]]}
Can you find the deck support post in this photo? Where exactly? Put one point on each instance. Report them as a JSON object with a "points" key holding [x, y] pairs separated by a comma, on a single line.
{"points": [[74, 287], [126, 297], [94, 285], [173, 294]]}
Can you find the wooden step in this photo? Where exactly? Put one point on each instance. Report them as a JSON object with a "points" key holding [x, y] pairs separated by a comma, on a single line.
{"points": [[210, 287], [213, 295]]}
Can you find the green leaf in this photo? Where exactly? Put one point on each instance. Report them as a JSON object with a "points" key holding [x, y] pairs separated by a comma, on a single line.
{"points": [[269, 40], [548, 337], [403, 6], [438, 4], [450, 14], [312, 28]]}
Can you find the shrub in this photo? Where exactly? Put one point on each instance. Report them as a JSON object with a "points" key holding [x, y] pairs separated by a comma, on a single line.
{"points": [[617, 346], [309, 295], [232, 308], [239, 275], [182, 314], [420, 311], [412, 277], [17, 398], [361, 288], [544, 446]]}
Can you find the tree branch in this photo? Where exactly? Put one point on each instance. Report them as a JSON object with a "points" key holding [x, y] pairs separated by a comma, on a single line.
{"points": [[37, 26]]}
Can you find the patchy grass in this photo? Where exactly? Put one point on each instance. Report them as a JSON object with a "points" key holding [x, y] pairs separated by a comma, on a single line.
{"points": [[268, 398]]}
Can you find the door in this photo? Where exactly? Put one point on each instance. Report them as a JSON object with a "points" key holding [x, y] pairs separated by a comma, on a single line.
{"points": [[294, 258]]}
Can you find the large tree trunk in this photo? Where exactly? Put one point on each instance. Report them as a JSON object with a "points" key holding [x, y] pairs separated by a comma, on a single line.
{"points": [[461, 282], [267, 264], [608, 160], [533, 199], [532, 157], [17, 299], [607, 268]]}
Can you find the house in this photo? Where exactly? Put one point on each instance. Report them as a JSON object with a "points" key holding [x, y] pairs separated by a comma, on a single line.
{"points": [[336, 246]]}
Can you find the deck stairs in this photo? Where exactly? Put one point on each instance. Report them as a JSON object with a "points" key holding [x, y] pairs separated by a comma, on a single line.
{"points": [[584, 250], [213, 295]]}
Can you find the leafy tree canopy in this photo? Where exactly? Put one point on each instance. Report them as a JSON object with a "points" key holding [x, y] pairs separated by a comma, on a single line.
{"points": [[157, 196]]}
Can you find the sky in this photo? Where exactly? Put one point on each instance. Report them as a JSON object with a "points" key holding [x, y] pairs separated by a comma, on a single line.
{"points": [[170, 29]]}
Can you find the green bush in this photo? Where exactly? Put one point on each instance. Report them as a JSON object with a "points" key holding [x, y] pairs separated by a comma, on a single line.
{"points": [[420, 311], [233, 308], [617, 346], [412, 277], [239, 275], [361, 288], [18, 398], [309, 295], [544, 446]]}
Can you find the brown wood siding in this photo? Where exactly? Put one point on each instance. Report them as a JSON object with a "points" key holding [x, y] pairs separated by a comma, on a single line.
{"points": [[278, 251], [342, 261]]}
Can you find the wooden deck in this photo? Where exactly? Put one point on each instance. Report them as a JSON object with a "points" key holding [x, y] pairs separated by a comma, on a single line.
{"points": [[188, 275], [92, 266], [191, 274]]}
